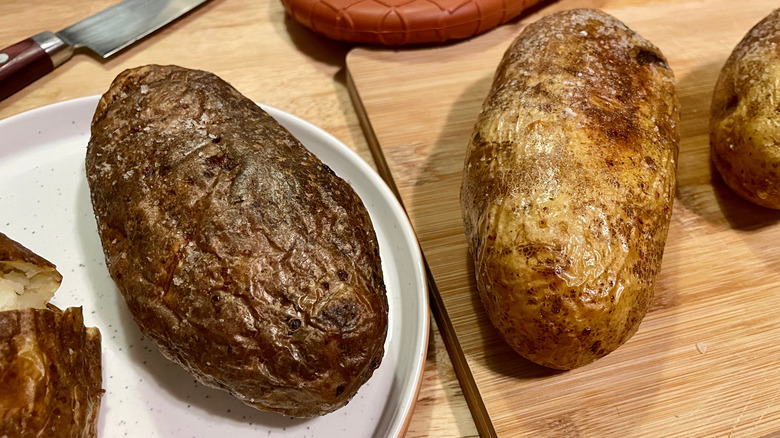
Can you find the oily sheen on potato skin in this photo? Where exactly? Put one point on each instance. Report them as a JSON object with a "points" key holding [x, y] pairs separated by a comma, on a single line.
{"points": [[568, 187], [51, 373], [744, 117], [50, 363], [242, 255]]}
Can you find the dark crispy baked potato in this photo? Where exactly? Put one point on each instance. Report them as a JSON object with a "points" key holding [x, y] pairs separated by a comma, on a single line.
{"points": [[50, 364], [568, 187], [744, 118], [242, 255]]}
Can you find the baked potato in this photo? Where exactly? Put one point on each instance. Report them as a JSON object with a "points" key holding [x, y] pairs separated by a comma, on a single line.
{"points": [[238, 252], [744, 117], [568, 186], [50, 363], [26, 279]]}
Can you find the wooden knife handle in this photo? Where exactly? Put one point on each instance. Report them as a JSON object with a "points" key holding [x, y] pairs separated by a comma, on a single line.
{"points": [[21, 64], [24, 62]]}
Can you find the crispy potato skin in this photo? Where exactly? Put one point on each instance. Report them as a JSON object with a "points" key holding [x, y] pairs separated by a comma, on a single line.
{"points": [[568, 187], [243, 256], [16, 257], [745, 116], [13, 251], [50, 374]]}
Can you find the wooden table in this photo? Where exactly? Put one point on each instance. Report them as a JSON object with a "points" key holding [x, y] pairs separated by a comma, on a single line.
{"points": [[270, 58]]}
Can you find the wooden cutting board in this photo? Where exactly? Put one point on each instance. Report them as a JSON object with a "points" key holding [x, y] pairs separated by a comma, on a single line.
{"points": [[706, 359]]}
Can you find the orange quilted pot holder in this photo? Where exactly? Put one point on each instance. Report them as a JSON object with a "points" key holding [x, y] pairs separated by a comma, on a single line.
{"points": [[399, 22]]}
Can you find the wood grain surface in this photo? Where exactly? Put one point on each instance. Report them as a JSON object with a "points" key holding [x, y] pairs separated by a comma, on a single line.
{"points": [[704, 362], [268, 57]]}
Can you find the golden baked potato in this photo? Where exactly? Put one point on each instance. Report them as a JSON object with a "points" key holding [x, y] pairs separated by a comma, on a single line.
{"points": [[568, 187], [238, 252], [50, 364], [745, 116]]}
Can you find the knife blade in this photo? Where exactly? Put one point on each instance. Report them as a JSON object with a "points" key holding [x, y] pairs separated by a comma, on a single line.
{"points": [[104, 33]]}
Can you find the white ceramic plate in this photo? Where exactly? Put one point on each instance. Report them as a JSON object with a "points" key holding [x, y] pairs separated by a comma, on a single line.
{"points": [[44, 204]]}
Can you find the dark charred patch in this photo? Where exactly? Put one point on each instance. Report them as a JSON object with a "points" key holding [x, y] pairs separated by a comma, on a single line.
{"points": [[730, 105], [327, 168], [293, 324], [596, 349], [222, 161], [341, 314], [339, 390], [650, 163], [638, 269], [539, 89], [548, 258], [377, 279], [325, 285], [555, 304], [342, 274], [216, 140], [645, 56]]}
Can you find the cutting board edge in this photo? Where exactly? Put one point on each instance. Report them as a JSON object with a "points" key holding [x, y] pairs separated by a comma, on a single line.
{"points": [[460, 364]]}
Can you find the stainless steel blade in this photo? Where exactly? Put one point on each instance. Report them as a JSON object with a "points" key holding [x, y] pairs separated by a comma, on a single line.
{"points": [[115, 28]]}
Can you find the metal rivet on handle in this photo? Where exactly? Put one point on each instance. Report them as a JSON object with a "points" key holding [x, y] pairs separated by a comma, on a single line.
{"points": [[4, 58]]}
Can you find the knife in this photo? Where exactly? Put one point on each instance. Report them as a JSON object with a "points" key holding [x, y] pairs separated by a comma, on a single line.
{"points": [[105, 33]]}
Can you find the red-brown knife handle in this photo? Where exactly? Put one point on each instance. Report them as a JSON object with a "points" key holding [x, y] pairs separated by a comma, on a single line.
{"points": [[24, 62], [28, 60]]}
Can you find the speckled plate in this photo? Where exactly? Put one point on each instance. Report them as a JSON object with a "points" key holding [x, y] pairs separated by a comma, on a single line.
{"points": [[44, 204]]}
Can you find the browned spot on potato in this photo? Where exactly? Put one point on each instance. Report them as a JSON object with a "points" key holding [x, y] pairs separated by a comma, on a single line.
{"points": [[341, 314], [648, 56]]}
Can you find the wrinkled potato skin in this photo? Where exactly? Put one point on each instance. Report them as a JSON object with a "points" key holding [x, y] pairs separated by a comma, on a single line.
{"points": [[744, 119], [238, 252], [50, 363], [568, 187], [50, 374]]}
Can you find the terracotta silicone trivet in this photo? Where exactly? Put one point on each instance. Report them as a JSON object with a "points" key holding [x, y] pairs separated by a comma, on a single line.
{"points": [[399, 22]]}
